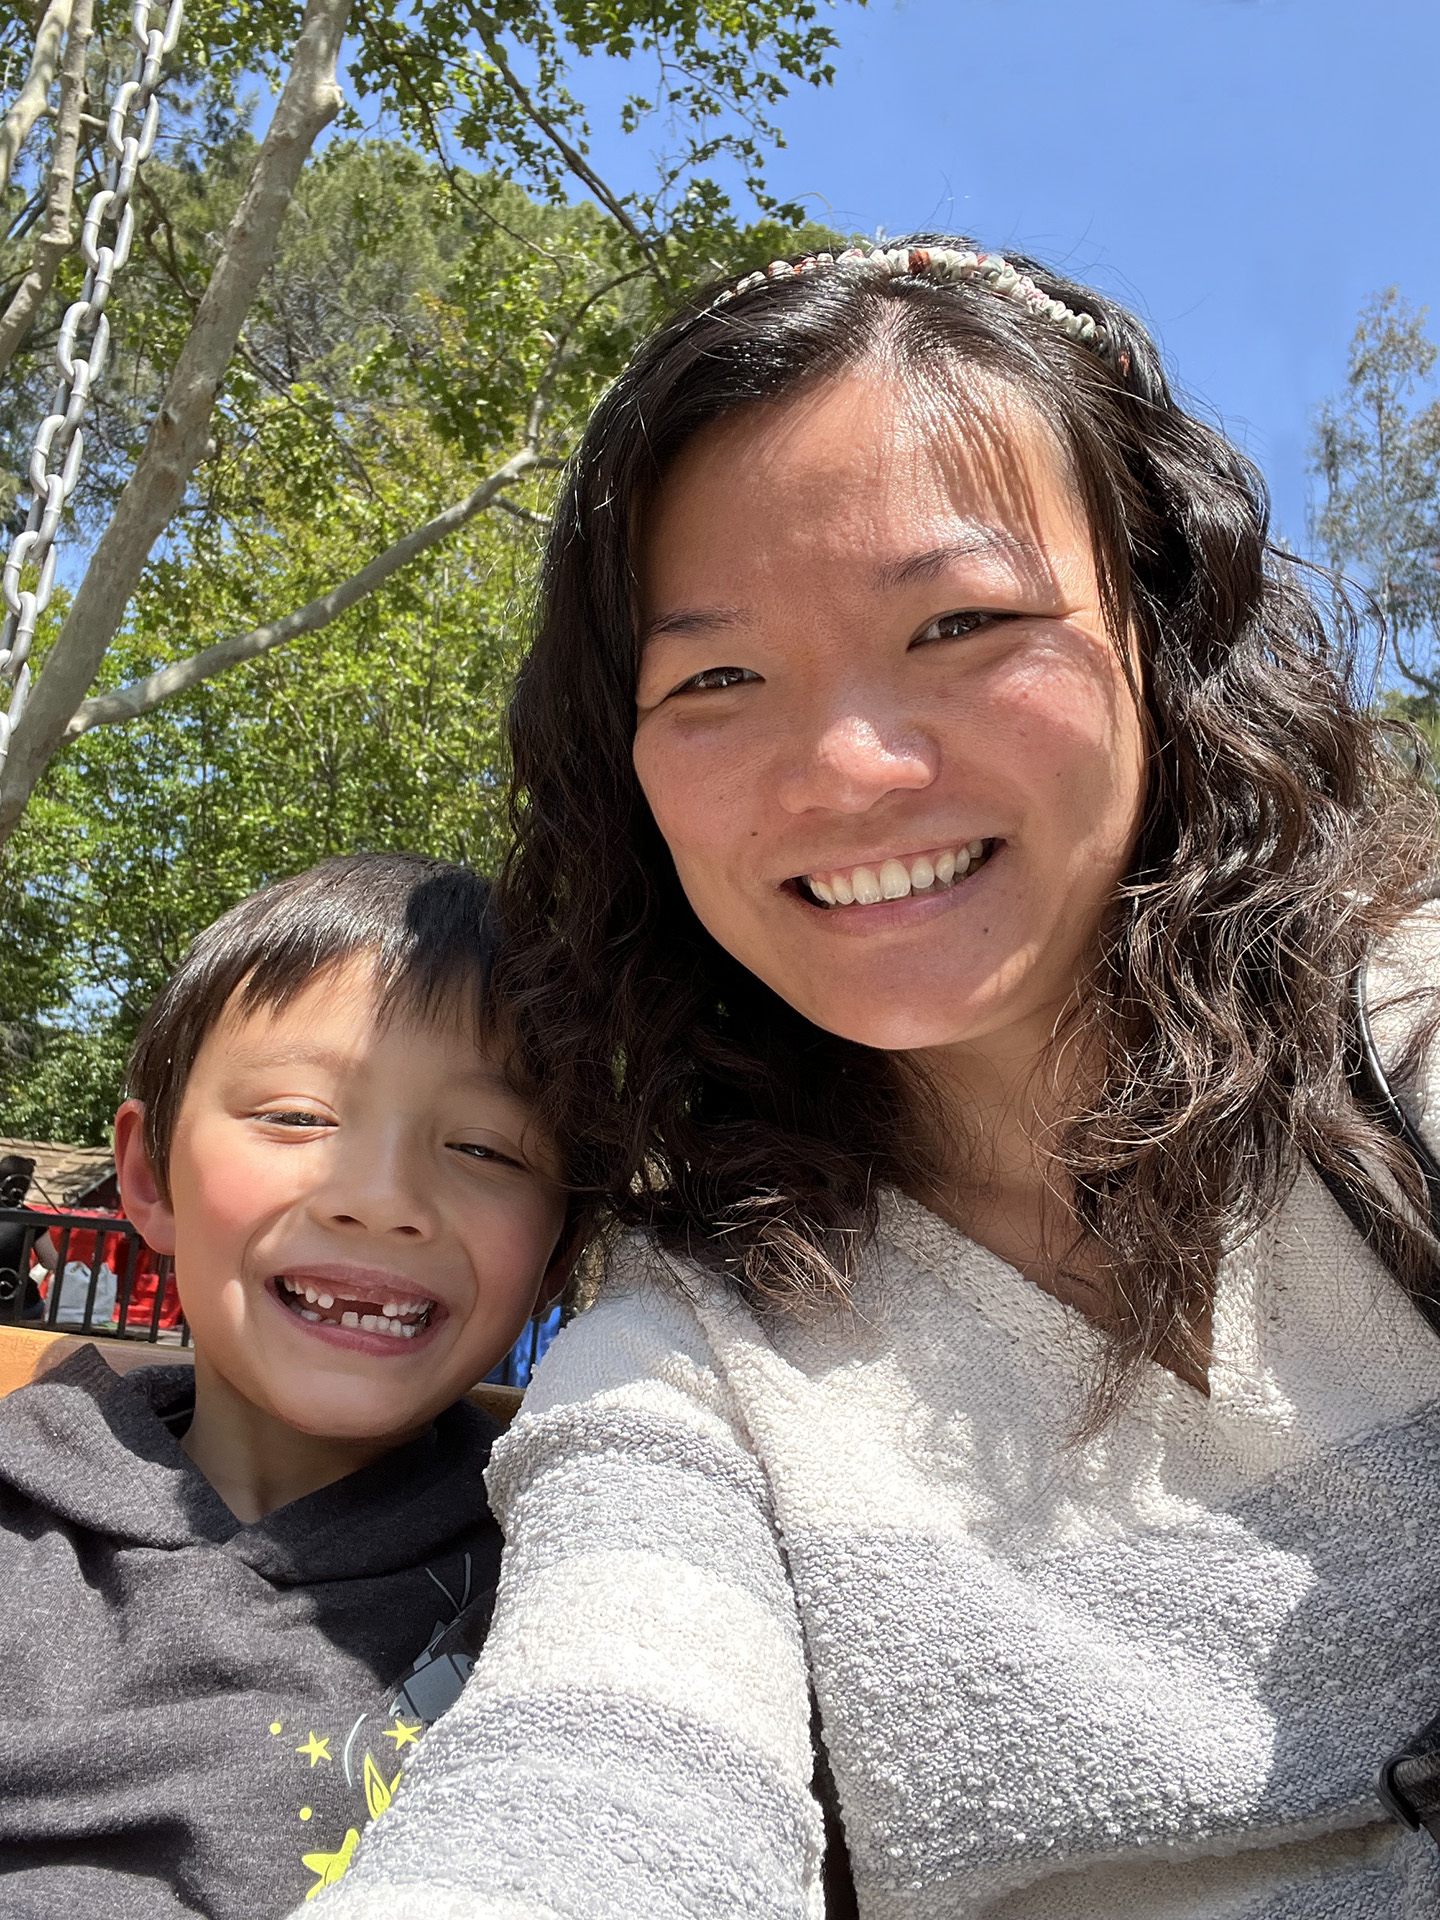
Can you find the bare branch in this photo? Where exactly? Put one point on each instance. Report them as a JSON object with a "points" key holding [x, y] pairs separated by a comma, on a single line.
{"points": [[571, 155], [29, 103], [176, 443], [112, 709], [55, 237], [526, 514]]}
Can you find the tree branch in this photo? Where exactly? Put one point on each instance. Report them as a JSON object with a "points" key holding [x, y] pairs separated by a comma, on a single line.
{"points": [[55, 236], [525, 514], [126, 703], [571, 155], [176, 443], [29, 103]]}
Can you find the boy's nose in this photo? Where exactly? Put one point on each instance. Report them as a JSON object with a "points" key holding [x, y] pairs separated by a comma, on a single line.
{"points": [[375, 1192]]}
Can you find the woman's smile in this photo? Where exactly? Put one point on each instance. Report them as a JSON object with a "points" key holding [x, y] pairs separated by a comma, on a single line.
{"points": [[871, 882]]}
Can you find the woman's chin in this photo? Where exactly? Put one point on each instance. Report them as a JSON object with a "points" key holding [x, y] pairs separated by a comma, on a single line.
{"points": [[893, 1021]]}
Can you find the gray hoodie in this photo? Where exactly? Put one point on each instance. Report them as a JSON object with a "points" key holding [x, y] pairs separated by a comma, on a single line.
{"points": [[201, 1716]]}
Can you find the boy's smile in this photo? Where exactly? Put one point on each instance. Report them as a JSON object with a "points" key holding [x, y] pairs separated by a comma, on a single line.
{"points": [[357, 1301], [360, 1213]]}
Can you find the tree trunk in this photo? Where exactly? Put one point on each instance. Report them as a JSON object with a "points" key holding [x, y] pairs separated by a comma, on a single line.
{"points": [[31, 100], [310, 100], [55, 237]]}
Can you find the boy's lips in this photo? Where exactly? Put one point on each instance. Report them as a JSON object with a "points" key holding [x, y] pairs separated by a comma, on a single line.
{"points": [[364, 1308]]}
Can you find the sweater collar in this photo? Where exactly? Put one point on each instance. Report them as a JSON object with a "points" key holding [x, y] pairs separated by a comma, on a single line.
{"points": [[92, 1448]]}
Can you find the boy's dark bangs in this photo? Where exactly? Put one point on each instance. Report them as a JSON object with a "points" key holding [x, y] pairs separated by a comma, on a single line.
{"points": [[430, 931]]}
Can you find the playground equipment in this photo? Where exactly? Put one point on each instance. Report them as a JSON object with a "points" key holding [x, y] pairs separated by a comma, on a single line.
{"points": [[59, 443]]}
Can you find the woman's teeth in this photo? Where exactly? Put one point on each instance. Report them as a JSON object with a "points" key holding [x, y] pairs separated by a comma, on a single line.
{"points": [[401, 1319], [897, 879]]}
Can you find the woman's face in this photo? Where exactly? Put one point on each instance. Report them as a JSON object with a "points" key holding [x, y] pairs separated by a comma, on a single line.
{"points": [[876, 673]]}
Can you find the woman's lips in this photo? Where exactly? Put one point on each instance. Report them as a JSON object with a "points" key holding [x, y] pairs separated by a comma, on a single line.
{"points": [[896, 876], [907, 909]]}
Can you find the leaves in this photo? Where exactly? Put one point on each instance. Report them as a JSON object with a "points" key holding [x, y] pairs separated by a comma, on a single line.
{"points": [[1377, 451], [434, 298]]}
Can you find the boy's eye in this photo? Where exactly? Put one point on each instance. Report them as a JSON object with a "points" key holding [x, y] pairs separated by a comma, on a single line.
{"points": [[294, 1117], [476, 1150], [715, 680], [956, 626]]}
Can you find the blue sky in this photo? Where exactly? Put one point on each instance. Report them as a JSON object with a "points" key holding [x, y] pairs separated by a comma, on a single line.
{"points": [[1243, 172]]}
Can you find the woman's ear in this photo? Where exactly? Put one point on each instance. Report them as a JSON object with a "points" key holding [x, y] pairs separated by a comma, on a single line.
{"points": [[140, 1194]]}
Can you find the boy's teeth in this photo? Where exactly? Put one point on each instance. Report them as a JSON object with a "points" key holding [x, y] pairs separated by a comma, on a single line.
{"points": [[401, 1319], [894, 879]]}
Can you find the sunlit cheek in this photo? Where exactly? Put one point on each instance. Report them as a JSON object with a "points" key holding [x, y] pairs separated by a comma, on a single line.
{"points": [[228, 1189], [703, 784], [510, 1248]]}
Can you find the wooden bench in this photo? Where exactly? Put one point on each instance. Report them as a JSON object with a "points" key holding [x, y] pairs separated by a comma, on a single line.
{"points": [[28, 1352]]}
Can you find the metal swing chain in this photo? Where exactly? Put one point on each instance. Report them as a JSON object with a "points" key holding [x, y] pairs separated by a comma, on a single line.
{"points": [[59, 443]]}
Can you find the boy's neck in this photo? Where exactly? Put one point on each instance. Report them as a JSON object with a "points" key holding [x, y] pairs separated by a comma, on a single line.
{"points": [[257, 1463]]}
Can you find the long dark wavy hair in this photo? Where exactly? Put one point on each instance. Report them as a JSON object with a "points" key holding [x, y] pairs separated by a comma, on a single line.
{"points": [[1284, 835]]}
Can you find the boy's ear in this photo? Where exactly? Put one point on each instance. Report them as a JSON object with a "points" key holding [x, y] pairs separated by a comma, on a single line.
{"points": [[562, 1264], [140, 1194]]}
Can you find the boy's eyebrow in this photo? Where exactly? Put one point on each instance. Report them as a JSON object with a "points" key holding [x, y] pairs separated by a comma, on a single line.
{"points": [[295, 1053], [301, 1053]]}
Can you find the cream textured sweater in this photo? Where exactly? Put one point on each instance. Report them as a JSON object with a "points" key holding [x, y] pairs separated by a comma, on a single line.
{"points": [[1152, 1676]]}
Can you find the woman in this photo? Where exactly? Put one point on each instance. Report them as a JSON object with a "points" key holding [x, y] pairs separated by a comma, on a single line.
{"points": [[946, 840]]}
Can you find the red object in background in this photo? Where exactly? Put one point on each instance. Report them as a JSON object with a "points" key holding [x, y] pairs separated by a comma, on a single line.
{"points": [[142, 1293], [146, 1279]]}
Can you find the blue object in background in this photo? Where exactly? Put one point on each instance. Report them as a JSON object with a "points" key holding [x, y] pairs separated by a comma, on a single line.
{"points": [[527, 1353]]}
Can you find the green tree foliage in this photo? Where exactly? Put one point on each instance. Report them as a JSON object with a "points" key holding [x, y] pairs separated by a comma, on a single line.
{"points": [[393, 355], [1377, 452], [444, 295]]}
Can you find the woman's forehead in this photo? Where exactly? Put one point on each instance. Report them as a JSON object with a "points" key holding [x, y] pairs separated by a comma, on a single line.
{"points": [[862, 474]]}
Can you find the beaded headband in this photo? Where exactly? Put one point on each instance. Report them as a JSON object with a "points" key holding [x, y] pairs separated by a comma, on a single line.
{"points": [[937, 263]]}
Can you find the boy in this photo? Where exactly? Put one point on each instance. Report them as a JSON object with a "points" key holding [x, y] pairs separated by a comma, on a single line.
{"points": [[233, 1597]]}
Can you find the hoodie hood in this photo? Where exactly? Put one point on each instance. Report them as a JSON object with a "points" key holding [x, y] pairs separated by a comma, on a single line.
{"points": [[91, 1448]]}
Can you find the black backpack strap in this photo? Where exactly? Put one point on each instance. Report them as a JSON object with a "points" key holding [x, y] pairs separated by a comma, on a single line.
{"points": [[1409, 1782], [1370, 1084]]}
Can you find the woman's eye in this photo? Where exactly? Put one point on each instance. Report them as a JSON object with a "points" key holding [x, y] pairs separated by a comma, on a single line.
{"points": [[715, 679], [955, 626]]}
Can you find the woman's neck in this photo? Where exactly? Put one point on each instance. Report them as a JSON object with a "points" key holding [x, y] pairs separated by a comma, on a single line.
{"points": [[1000, 1107], [996, 1106]]}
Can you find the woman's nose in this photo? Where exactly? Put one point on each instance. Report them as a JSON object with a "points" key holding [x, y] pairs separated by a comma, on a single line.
{"points": [[856, 760]]}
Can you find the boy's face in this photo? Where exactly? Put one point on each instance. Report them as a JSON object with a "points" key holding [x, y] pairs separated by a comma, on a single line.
{"points": [[360, 1214]]}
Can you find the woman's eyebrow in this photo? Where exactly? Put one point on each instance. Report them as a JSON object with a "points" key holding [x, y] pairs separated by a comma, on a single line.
{"points": [[695, 620], [919, 567]]}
